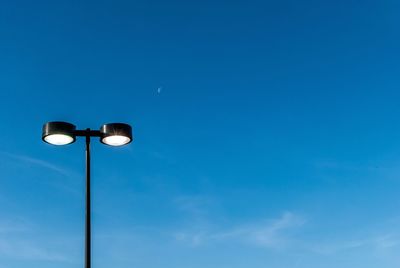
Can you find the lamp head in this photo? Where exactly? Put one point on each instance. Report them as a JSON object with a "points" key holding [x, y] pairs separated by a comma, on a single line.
{"points": [[58, 133], [116, 134]]}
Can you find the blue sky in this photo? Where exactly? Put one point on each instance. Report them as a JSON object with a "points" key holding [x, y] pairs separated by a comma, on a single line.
{"points": [[266, 133]]}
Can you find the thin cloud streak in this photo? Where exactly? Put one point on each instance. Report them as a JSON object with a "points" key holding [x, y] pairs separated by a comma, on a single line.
{"points": [[24, 249], [15, 245], [31, 161], [271, 233], [11, 227], [285, 233], [378, 243], [41, 163]]}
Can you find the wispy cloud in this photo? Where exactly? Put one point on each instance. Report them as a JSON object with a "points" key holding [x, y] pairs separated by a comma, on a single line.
{"points": [[285, 232], [23, 249], [270, 233], [195, 206], [39, 162], [14, 243], [10, 226], [387, 241], [36, 163], [333, 247], [19, 238], [378, 243]]}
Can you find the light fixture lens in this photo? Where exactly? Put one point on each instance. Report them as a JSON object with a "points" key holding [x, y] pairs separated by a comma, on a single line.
{"points": [[58, 139], [116, 134], [116, 140]]}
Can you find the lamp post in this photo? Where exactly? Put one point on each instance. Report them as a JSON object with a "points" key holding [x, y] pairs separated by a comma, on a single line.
{"points": [[63, 133]]}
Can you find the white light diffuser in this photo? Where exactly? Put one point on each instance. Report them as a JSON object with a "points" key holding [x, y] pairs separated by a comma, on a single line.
{"points": [[116, 140], [58, 139]]}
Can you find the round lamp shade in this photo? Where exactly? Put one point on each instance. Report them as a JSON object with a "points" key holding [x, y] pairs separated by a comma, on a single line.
{"points": [[116, 134], [58, 133]]}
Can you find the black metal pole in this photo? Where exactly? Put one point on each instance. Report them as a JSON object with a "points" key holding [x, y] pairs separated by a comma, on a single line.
{"points": [[88, 233]]}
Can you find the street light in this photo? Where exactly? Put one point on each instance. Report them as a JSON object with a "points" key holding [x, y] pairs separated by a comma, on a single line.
{"points": [[63, 133]]}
